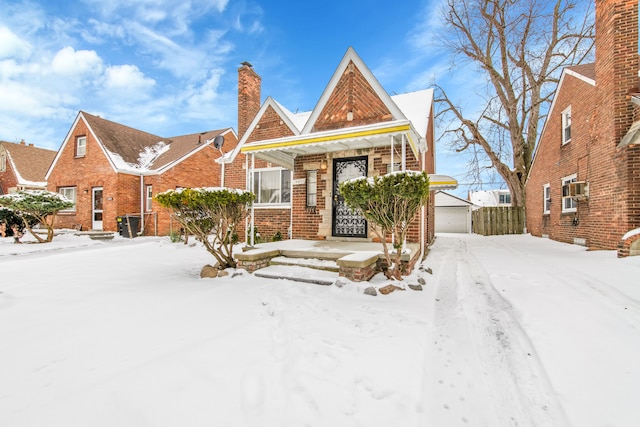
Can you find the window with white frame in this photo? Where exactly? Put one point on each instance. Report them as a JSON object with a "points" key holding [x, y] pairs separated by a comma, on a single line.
{"points": [[149, 199], [312, 188], [272, 186], [568, 203], [546, 203], [69, 193], [3, 162], [81, 146], [504, 198], [566, 125]]}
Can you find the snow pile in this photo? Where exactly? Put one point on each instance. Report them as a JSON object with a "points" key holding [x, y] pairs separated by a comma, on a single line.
{"points": [[509, 330]]}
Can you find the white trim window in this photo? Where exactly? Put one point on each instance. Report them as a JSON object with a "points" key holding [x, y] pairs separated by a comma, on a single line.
{"points": [[69, 193], [546, 202], [149, 198], [569, 204], [81, 146], [312, 188], [272, 186], [3, 162], [566, 125], [504, 198]]}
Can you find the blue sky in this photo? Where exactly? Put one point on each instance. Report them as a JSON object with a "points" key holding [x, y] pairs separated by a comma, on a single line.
{"points": [[170, 67]]}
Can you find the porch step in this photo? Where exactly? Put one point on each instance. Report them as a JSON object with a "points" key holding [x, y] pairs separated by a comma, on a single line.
{"points": [[315, 263], [298, 273], [97, 235]]}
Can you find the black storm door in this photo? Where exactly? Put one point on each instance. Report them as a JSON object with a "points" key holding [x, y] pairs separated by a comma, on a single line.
{"points": [[346, 222]]}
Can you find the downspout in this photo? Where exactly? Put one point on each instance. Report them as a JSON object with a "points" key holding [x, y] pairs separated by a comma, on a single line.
{"points": [[142, 197], [222, 175]]}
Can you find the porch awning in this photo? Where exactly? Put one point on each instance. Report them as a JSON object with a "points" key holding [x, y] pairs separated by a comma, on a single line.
{"points": [[283, 151], [442, 182]]}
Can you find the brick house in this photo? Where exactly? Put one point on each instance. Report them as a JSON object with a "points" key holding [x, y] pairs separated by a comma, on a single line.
{"points": [[111, 170], [295, 161], [23, 167], [584, 184]]}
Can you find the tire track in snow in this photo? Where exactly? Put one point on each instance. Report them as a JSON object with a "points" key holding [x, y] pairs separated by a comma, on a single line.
{"points": [[480, 361]]}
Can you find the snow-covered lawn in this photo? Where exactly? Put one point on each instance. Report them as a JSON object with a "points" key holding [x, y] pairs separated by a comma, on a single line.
{"points": [[509, 330]]}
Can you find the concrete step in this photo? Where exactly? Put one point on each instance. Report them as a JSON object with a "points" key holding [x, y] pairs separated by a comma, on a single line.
{"points": [[315, 263], [298, 273]]}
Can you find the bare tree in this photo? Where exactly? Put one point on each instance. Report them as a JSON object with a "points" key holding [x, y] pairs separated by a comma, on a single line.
{"points": [[520, 47]]}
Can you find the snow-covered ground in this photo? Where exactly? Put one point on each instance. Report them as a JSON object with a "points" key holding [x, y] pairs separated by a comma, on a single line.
{"points": [[509, 330]]}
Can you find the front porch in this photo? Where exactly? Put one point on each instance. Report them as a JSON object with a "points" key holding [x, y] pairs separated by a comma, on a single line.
{"points": [[291, 259]]}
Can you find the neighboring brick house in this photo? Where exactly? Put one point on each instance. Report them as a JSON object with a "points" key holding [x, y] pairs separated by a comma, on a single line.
{"points": [[584, 184], [23, 167], [111, 170], [297, 160]]}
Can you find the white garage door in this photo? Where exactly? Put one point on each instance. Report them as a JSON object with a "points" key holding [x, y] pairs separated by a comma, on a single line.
{"points": [[452, 219]]}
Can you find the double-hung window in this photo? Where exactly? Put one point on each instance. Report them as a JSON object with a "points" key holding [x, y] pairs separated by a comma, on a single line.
{"points": [[566, 125], [149, 198], [272, 186], [69, 193], [3, 162], [568, 203], [81, 146], [546, 203]]}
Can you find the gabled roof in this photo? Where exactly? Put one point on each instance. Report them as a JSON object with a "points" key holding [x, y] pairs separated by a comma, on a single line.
{"points": [[29, 163], [400, 116], [585, 73], [351, 57], [130, 150], [444, 199]]}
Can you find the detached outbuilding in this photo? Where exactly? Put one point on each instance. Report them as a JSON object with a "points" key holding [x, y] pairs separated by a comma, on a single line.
{"points": [[452, 213]]}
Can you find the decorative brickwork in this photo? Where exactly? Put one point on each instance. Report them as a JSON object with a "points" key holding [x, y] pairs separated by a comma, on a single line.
{"points": [[352, 103]]}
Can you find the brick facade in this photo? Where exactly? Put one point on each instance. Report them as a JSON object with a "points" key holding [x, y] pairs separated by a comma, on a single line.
{"points": [[125, 193], [353, 101], [601, 116]]}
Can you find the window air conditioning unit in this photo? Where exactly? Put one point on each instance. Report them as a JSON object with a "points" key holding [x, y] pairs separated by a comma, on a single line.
{"points": [[579, 189]]}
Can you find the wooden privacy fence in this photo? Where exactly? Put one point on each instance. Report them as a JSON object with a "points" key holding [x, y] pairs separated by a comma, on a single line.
{"points": [[492, 221]]}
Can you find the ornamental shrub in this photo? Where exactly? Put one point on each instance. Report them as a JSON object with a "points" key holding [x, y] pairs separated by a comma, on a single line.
{"points": [[391, 203], [36, 206], [211, 215]]}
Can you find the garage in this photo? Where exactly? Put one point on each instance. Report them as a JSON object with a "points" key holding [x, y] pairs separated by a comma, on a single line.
{"points": [[452, 214]]}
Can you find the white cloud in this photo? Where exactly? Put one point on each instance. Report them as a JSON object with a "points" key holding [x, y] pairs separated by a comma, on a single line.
{"points": [[128, 78], [69, 62], [12, 46]]}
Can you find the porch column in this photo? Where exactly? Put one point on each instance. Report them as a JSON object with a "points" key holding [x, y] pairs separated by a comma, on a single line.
{"points": [[253, 165], [404, 153], [392, 140]]}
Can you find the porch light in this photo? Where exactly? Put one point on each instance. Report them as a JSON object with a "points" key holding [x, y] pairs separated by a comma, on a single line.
{"points": [[323, 165]]}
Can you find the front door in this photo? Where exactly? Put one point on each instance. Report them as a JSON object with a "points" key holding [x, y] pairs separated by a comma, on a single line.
{"points": [[96, 213], [346, 222]]}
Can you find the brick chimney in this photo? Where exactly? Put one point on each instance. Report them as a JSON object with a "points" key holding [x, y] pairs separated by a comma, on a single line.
{"points": [[617, 62], [249, 83]]}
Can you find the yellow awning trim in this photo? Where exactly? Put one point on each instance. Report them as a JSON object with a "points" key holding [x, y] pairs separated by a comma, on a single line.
{"points": [[360, 134]]}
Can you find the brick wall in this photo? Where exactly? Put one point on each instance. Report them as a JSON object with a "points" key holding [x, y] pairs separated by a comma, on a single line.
{"points": [[352, 103], [7, 177], [601, 116], [249, 86], [85, 173]]}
